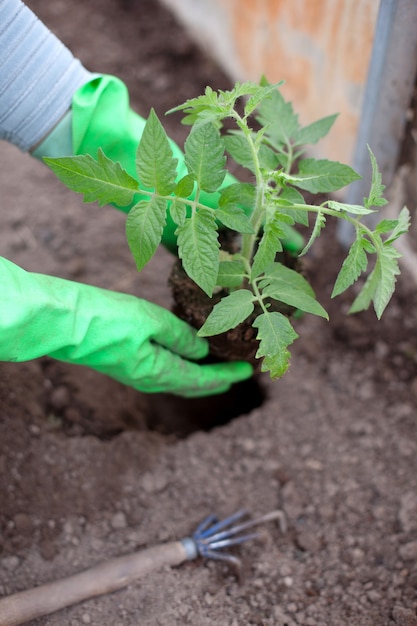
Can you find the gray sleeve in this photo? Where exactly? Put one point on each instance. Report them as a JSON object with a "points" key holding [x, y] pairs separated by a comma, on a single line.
{"points": [[38, 76]]}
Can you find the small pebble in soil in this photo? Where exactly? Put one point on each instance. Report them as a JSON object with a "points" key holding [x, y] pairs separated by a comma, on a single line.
{"points": [[34, 430], [118, 521], [59, 398], [10, 563], [404, 617]]}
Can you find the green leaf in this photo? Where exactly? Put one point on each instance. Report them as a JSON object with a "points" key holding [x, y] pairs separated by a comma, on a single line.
{"points": [[323, 176], [367, 293], [234, 218], [402, 226], [185, 187], [318, 226], [389, 271], [269, 245], [275, 334], [279, 118], [198, 248], [287, 198], [380, 283], [268, 159], [262, 92], [237, 146], [368, 246], [200, 103], [290, 287], [144, 226], [228, 313], [312, 133], [231, 274], [178, 211], [210, 106], [238, 194], [375, 197], [155, 163], [103, 180], [385, 226], [353, 266], [204, 157], [215, 105], [355, 209]]}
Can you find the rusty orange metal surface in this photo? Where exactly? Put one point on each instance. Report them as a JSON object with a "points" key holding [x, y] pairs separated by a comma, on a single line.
{"points": [[321, 48]]}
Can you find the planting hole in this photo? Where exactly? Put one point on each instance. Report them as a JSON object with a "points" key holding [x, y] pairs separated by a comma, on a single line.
{"points": [[172, 415]]}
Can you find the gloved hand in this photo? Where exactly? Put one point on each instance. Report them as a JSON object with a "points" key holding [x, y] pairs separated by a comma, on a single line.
{"points": [[101, 117], [133, 341]]}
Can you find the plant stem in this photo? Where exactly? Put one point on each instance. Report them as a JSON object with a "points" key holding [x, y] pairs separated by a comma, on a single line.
{"points": [[257, 218], [258, 296]]}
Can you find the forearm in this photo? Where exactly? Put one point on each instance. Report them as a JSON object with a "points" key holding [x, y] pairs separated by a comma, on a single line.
{"points": [[38, 76]]}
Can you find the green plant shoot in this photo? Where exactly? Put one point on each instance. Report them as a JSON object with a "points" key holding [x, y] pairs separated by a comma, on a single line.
{"points": [[261, 211]]}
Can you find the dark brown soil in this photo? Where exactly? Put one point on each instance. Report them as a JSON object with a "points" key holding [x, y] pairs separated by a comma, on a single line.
{"points": [[90, 469]]}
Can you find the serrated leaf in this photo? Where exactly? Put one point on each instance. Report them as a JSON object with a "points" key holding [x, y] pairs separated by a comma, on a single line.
{"points": [[155, 163], [290, 287], [228, 313], [380, 283], [231, 274], [323, 176], [237, 146], [279, 271], [262, 92], [185, 187], [318, 226], [238, 194], [215, 105], [385, 226], [101, 180], [288, 197], [234, 218], [194, 107], [368, 246], [279, 118], [275, 334], [402, 226], [355, 209], [178, 211], [204, 157], [389, 270], [268, 247], [367, 293], [144, 226], [312, 133], [353, 266], [375, 197], [268, 158], [198, 248]]}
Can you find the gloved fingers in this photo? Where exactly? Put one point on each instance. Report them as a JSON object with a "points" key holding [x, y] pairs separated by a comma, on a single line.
{"points": [[169, 373], [169, 331], [219, 377]]}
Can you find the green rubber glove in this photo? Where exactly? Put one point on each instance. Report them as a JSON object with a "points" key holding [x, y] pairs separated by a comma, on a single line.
{"points": [[101, 117], [133, 341]]}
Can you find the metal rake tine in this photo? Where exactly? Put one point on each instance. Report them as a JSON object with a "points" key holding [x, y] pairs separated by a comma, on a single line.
{"points": [[210, 519], [208, 532], [232, 542], [245, 525], [227, 558]]}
